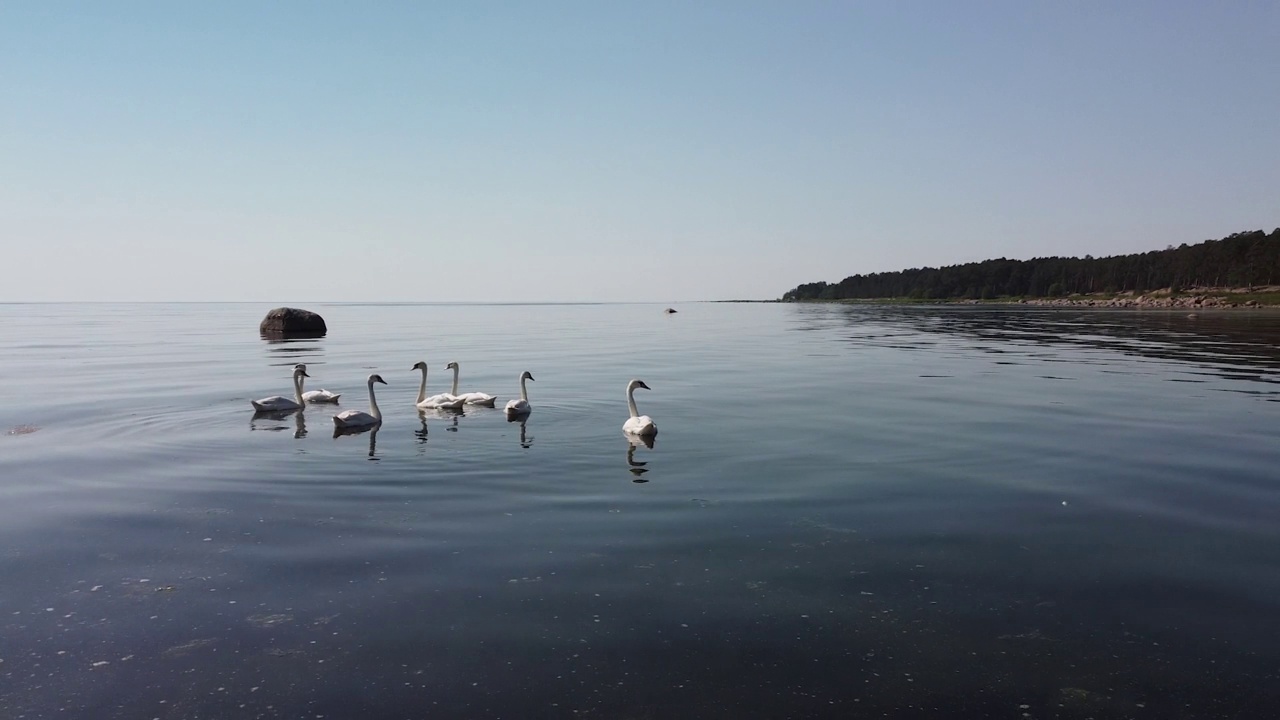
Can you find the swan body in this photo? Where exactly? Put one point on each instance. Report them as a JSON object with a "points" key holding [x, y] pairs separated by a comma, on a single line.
{"points": [[471, 398], [277, 403], [356, 418], [318, 396], [321, 396], [521, 405], [443, 400], [638, 424]]}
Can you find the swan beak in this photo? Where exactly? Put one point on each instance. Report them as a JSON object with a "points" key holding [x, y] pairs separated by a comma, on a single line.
{"points": [[530, 377], [384, 382], [303, 373]]}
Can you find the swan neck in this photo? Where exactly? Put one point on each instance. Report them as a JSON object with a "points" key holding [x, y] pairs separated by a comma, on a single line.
{"points": [[631, 401], [455, 381], [373, 403], [422, 389], [297, 388], [524, 391]]}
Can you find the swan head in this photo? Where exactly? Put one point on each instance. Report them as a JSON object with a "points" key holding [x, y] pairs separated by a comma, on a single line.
{"points": [[451, 366], [637, 384], [526, 375], [300, 371], [419, 366], [375, 378]]}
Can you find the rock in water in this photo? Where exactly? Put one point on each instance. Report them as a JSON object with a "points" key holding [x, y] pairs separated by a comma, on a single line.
{"points": [[670, 311], [292, 322]]}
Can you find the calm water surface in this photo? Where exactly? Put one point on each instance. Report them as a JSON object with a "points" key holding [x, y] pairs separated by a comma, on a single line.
{"points": [[848, 512]]}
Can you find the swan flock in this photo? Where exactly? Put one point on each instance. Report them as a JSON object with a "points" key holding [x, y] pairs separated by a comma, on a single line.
{"points": [[637, 425]]}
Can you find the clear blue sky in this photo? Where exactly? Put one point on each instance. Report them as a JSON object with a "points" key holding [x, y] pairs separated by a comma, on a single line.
{"points": [[664, 151]]}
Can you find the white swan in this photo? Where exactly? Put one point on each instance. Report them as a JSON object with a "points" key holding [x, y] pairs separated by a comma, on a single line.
{"points": [[277, 403], [471, 398], [637, 424], [356, 418], [521, 406], [318, 396], [443, 400]]}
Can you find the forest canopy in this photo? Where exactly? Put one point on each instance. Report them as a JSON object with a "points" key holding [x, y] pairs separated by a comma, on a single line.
{"points": [[1238, 260]]}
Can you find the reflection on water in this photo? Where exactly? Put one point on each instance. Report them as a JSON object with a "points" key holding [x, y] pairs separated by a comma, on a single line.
{"points": [[1233, 345], [637, 467], [371, 430], [279, 338], [450, 416], [295, 349], [526, 440], [273, 420]]}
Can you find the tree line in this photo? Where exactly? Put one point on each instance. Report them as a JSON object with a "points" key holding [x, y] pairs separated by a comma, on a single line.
{"points": [[1238, 260]]}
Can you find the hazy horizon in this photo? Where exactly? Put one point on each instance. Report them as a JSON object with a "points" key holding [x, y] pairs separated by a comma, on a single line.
{"points": [[574, 152]]}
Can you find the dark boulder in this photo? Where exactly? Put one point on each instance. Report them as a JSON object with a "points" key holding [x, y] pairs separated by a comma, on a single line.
{"points": [[292, 323], [670, 311]]}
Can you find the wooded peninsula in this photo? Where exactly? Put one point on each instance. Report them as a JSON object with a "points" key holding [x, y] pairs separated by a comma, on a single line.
{"points": [[1240, 262]]}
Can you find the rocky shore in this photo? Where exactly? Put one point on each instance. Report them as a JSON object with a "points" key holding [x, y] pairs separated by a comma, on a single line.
{"points": [[1192, 299]]}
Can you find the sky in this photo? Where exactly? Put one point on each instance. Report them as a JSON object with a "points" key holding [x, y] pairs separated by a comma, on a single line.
{"points": [[613, 151]]}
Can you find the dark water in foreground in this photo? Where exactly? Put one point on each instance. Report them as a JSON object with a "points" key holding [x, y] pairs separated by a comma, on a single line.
{"points": [[848, 512]]}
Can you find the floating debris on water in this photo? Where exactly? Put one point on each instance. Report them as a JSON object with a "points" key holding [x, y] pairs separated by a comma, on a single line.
{"points": [[22, 429], [266, 621], [187, 647], [1029, 635], [820, 523]]}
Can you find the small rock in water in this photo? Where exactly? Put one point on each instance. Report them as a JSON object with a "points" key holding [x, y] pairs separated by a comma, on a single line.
{"points": [[22, 429]]}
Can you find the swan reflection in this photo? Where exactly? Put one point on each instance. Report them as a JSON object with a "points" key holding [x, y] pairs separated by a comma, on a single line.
{"points": [[273, 421], [372, 430], [526, 440], [637, 467], [449, 415]]}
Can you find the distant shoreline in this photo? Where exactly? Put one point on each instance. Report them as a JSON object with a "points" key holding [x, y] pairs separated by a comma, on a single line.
{"points": [[1244, 298], [1226, 272]]}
